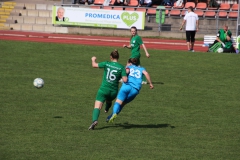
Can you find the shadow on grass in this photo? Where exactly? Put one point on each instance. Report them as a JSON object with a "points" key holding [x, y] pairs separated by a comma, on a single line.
{"points": [[130, 126], [156, 83], [57, 117]]}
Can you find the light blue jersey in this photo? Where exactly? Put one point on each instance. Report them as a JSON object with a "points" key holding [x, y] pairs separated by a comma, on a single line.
{"points": [[131, 88], [135, 76]]}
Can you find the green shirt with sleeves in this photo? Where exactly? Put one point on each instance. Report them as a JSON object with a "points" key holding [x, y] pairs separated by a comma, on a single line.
{"points": [[136, 42], [113, 72]]}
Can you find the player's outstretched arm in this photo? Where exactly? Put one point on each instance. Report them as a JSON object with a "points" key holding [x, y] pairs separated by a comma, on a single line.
{"points": [[148, 79], [146, 52], [94, 63], [127, 46]]}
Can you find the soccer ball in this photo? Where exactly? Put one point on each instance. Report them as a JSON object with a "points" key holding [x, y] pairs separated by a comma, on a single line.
{"points": [[38, 83], [220, 50]]}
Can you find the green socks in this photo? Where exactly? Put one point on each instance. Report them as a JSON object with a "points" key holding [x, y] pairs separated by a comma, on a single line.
{"points": [[95, 115]]}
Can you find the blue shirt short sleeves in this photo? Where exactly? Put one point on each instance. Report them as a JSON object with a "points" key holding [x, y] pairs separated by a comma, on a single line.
{"points": [[135, 76]]}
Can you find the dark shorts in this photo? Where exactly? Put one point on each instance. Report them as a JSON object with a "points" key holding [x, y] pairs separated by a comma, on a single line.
{"points": [[190, 36]]}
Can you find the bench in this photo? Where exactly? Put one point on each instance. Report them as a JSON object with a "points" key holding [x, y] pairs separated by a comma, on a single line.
{"points": [[208, 39]]}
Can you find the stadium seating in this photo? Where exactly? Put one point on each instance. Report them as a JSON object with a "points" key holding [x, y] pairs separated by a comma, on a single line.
{"points": [[210, 14], [98, 2], [234, 7], [175, 12], [223, 10], [168, 7], [167, 12], [199, 12], [212, 8], [222, 14], [178, 7], [118, 8], [108, 7], [95, 7], [183, 12], [188, 4], [154, 6], [133, 3], [141, 9], [233, 15], [130, 9], [201, 5], [224, 6], [151, 11], [111, 2]]}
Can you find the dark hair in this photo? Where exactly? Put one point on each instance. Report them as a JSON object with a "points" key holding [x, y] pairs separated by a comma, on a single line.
{"points": [[133, 27], [191, 8], [133, 61], [115, 54]]}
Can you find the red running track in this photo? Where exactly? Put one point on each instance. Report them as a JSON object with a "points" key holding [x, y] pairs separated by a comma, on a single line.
{"points": [[161, 44]]}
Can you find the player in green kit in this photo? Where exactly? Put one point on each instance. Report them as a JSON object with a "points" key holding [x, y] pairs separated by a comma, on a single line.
{"points": [[113, 72], [135, 43]]}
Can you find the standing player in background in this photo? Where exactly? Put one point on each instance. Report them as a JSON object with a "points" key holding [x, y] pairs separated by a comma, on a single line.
{"points": [[113, 72], [131, 88], [135, 43], [191, 20]]}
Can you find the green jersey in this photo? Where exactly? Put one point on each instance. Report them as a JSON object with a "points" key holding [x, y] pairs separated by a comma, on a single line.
{"points": [[223, 35], [113, 72], [136, 41]]}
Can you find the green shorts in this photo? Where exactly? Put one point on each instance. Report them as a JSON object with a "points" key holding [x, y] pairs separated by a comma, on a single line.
{"points": [[138, 57], [105, 94]]}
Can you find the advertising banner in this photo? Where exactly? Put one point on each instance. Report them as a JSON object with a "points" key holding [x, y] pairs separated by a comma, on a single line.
{"points": [[97, 17]]}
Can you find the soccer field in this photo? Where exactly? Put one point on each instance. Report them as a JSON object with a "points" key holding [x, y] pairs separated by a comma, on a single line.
{"points": [[193, 112]]}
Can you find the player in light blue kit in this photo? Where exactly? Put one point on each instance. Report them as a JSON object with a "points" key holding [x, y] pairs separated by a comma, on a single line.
{"points": [[131, 88]]}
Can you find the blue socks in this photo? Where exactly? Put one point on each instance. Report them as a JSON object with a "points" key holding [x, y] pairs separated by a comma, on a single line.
{"points": [[116, 108]]}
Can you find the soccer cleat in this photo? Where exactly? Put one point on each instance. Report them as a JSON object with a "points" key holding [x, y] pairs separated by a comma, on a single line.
{"points": [[113, 117], [191, 50], [144, 82], [93, 125], [108, 118]]}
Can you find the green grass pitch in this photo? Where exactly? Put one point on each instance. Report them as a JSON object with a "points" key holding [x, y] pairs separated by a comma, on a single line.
{"points": [[192, 113]]}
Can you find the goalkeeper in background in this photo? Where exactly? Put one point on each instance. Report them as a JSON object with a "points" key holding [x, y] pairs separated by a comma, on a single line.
{"points": [[224, 40]]}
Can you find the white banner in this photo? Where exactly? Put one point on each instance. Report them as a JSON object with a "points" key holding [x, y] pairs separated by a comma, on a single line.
{"points": [[98, 17]]}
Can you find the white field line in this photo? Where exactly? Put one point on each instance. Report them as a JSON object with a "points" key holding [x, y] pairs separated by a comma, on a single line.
{"points": [[90, 39], [16, 35], [106, 40], [32, 36]]}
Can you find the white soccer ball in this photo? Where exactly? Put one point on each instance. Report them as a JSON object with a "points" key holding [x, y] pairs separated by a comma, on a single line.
{"points": [[38, 83], [220, 50]]}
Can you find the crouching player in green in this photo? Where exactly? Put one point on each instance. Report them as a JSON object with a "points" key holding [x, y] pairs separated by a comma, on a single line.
{"points": [[131, 88], [113, 72]]}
